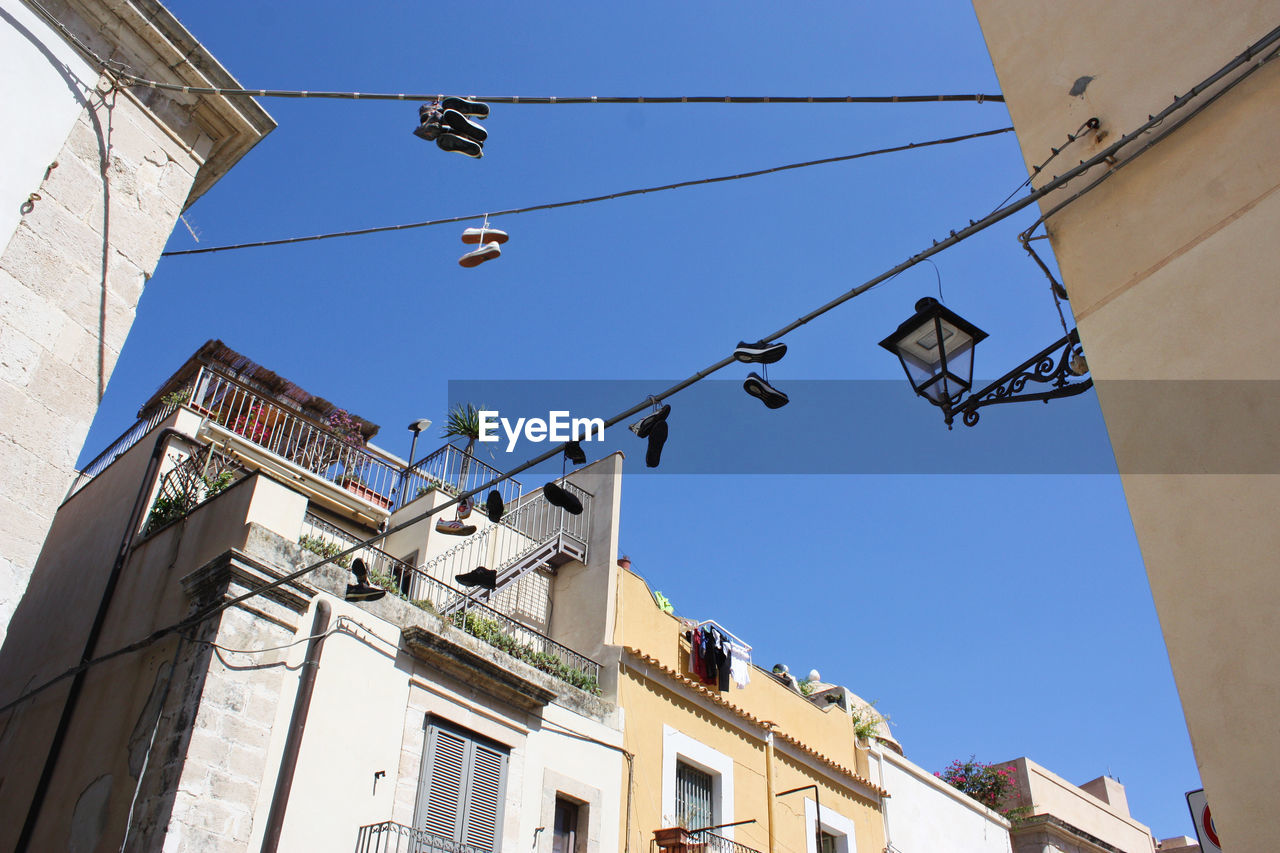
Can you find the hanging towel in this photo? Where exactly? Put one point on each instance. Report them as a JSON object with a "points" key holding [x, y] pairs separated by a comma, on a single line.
{"points": [[697, 655], [739, 665], [723, 647]]}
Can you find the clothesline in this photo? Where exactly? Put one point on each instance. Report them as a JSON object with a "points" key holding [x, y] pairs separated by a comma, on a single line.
{"points": [[738, 641]]}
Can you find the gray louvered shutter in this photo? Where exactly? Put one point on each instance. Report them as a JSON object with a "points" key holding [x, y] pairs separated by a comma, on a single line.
{"points": [[441, 790], [461, 789], [484, 799]]}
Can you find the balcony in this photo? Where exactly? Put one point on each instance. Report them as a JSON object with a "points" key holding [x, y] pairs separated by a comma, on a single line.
{"points": [[333, 452], [680, 840], [454, 471], [391, 837], [487, 623]]}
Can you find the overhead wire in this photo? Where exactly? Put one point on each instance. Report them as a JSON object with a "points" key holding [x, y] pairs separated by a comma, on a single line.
{"points": [[590, 200], [1106, 155], [1091, 124], [515, 100]]}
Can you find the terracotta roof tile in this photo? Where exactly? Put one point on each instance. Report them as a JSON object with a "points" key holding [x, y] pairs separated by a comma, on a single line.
{"points": [[747, 715]]}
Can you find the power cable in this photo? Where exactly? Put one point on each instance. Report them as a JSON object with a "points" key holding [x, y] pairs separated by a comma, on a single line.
{"points": [[1091, 124], [111, 66], [514, 100], [1106, 155], [591, 200]]}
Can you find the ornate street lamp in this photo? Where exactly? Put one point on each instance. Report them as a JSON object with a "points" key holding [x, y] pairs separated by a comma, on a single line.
{"points": [[935, 346]]}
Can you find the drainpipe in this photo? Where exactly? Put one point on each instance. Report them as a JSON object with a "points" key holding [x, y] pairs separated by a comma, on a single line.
{"points": [[95, 631], [877, 749], [297, 724], [768, 783]]}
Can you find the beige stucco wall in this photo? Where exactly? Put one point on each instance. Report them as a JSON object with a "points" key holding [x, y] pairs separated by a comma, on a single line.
{"points": [[115, 715], [210, 778], [73, 266], [1045, 792], [1171, 269]]}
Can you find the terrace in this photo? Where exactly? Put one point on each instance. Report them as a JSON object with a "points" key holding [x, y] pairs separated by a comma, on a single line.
{"points": [[253, 419]]}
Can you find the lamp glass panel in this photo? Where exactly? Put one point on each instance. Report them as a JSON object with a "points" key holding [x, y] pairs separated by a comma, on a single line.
{"points": [[921, 344]]}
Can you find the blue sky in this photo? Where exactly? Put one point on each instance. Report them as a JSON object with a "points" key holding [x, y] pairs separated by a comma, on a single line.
{"points": [[993, 614]]}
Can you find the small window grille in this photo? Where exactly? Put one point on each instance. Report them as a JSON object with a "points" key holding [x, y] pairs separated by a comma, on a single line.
{"points": [[693, 797]]}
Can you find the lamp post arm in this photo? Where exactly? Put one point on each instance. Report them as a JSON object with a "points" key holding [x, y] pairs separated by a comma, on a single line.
{"points": [[1052, 365]]}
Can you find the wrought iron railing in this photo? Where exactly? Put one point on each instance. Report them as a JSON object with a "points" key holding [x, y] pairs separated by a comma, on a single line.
{"points": [[291, 435], [194, 480], [457, 471], [392, 837], [476, 618], [708, 842], [117, 448], [520, 532]]}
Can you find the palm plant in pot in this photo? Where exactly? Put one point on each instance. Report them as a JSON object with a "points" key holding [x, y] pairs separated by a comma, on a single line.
{"points": [[463, 421]]}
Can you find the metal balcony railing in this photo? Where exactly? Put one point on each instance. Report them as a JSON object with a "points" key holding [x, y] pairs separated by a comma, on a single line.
{"points": [[708, 842], [480, 620], [291, 435], [698, 841], [457, 471], [117, 448], [391, 837]]}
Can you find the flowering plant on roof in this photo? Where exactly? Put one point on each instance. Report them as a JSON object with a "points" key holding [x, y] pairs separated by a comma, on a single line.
{"points": [[253, 425], [346, 427], [994, 787]]}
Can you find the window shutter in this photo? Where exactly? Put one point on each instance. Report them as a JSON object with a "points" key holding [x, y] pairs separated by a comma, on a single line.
{"points": [[484, 803], [444, 784], [461, 788]]}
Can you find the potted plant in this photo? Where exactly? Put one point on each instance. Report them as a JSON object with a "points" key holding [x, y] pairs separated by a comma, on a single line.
{"points": [[354, 483], [464, 422], [678, 839], [673, 838]]}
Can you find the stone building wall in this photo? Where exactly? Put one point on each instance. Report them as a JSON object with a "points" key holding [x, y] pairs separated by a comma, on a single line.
{"points": [[96, 207]]}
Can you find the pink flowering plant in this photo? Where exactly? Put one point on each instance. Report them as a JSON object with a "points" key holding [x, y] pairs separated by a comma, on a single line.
{"points": [[994, 787], [346, 427], [253, 425]]}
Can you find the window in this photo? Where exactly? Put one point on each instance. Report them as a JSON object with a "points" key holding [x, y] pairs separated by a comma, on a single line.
{"points": [[461, 787], [565, 837], [697, 784], [693, 797], [835, 832]]}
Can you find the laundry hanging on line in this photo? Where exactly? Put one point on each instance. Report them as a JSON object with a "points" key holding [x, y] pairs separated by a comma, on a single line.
{"points": [[716, 660]]}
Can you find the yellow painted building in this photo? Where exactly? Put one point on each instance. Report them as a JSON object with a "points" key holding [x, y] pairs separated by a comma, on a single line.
{"points": [[702, 757]]}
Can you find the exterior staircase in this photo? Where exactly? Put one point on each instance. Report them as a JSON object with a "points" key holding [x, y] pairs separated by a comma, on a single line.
{"points": [[533, 535]]}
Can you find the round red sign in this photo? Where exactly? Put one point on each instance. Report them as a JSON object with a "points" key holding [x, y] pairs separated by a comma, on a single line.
{"points": [[1209, 830]]}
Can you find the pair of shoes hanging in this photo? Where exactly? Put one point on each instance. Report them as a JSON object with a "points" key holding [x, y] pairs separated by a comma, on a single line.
{"points": [[490, 240], [653, 426], [557, 495], [457, 527], [447, 123], [762, 352], [362, 590]]}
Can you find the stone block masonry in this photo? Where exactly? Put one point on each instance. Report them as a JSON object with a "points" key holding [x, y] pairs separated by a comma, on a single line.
{"points": [[210, 761], [73, 267], [70, 280]]}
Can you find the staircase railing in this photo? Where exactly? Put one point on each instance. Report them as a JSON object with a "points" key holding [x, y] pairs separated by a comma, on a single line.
{"points": [[521, 531], [476, 618]]}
